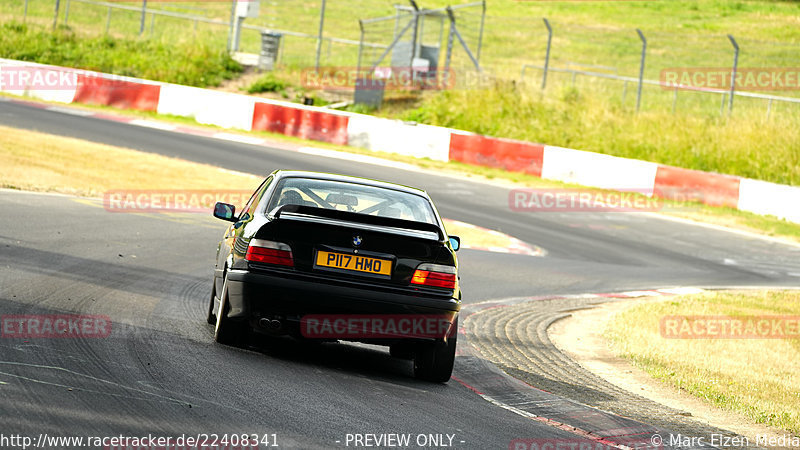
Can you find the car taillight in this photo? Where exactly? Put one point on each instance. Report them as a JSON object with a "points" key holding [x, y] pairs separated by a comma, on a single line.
{"points": [[435, 275], [269, 252]]}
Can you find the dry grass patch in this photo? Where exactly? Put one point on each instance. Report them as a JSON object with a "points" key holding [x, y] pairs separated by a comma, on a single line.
{"points": [[755, 377], [42, 162]]}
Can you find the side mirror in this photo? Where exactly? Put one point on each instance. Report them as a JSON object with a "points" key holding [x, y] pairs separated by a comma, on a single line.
{"points": [[225, 211], [455, 242]]}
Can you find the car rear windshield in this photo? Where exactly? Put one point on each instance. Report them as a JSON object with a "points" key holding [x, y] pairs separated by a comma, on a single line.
{"points": [[352, 197]]}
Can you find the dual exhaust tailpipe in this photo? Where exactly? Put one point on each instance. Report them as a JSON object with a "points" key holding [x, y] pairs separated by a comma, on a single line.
{"points": [[270, 324]]}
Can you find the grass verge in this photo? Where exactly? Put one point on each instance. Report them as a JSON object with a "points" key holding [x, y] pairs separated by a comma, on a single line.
{"points": [[189, 62], [42, 162], [755, 377], [747, 145]]}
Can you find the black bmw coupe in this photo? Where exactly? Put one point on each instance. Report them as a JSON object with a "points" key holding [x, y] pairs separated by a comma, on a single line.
{"points": [[329, 257]]}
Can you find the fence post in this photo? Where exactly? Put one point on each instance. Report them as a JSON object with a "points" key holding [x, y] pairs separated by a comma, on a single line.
{"points": [[733, 74], [449, 53], [480, 33], [361, 47], [461, 39], [641, 69], [108, 19], [722, 104], [230, 25], [66, 13], [421, 34], [55, 15], [414, 37], [319, 35], [144, 14], [396, 22], [547, 52]]}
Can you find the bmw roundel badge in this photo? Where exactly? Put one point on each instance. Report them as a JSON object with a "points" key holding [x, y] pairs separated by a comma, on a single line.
{"points": [[357, 240]]}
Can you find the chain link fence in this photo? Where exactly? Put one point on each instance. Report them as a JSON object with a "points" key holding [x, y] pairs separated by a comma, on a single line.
{"points": [[601, 61], [686, 72], [430, 48]]}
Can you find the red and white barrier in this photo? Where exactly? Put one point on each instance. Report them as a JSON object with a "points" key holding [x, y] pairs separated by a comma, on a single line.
{"points": [[713, 189], [209, 107], [97, 89], [395, 136], [508, 154], [598, 170], [230, 110], [772, 199], [300, 121]]}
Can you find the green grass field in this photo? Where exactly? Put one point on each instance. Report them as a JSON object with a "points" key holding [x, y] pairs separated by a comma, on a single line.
{"points": [[584, 113], [745, 144], [199, 64], [680, 33]]}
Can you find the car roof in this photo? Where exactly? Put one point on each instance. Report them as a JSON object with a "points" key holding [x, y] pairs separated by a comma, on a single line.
{"points": [[348, 179]]}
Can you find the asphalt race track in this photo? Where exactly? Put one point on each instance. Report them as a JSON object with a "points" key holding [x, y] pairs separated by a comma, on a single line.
{"points": [[161, 373]]}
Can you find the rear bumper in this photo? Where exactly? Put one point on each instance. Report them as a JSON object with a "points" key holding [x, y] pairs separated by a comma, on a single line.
{"points": [[289, 297]]}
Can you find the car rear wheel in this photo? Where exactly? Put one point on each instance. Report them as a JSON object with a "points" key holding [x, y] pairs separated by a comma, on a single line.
{"points": [[434, 362], [228, 332], [211, 317]]}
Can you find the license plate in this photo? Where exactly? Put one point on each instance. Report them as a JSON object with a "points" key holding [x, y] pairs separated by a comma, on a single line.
{"points": [[355, 263]]}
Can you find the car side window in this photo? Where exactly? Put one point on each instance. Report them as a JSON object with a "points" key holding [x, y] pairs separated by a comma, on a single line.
{"points": [[250, 206]]}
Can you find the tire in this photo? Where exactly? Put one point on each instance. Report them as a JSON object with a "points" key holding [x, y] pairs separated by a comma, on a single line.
{"points": [[211, 318], [227, 331], [434, 362]]}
